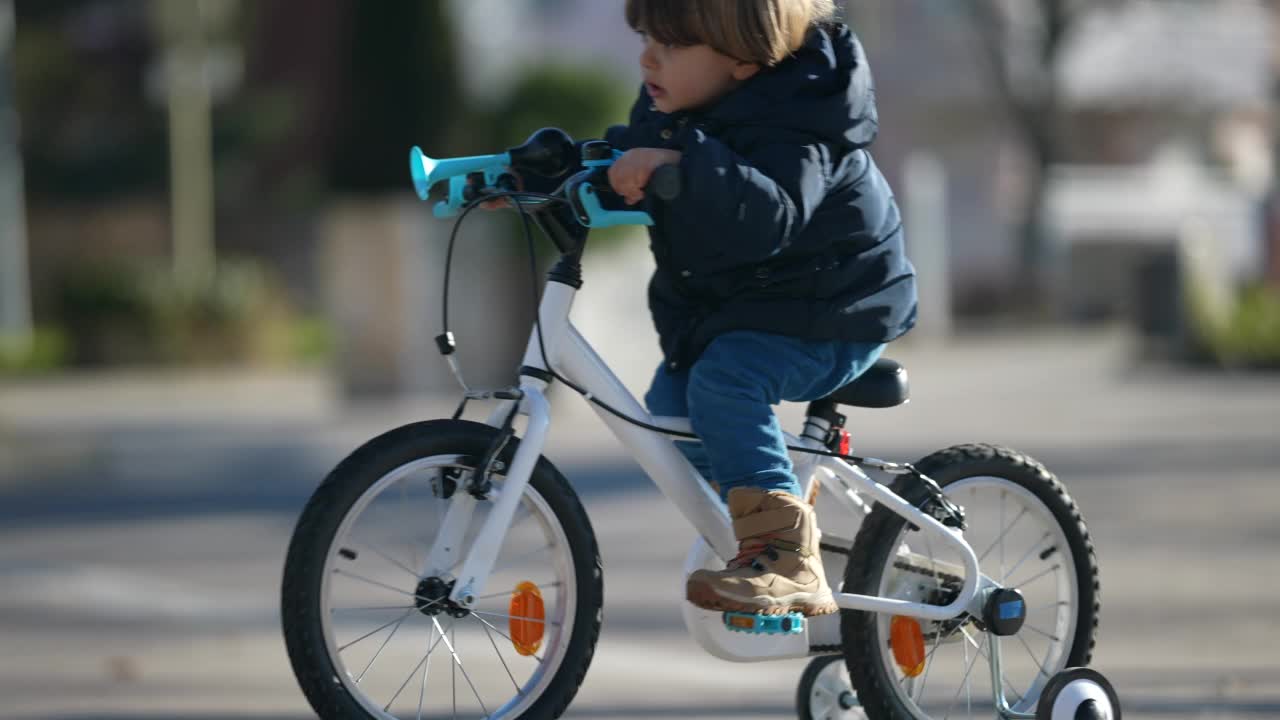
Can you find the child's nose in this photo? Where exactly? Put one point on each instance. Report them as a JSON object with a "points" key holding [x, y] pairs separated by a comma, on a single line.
{"points": [[648, 59]]}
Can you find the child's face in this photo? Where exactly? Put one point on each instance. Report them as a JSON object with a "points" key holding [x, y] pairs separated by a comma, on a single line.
{"points": [[691, 76]]}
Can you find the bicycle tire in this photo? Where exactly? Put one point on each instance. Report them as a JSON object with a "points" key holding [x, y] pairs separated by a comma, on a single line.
{"points": [[865, 649], [301, 606]]}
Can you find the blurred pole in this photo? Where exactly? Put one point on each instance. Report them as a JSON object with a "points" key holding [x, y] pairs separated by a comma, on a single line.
{"points": [[190, 138], [15, 291], [925, 182]]}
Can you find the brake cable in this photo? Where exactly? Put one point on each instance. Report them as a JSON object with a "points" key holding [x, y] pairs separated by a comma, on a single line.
{"points": [[941, 505]]}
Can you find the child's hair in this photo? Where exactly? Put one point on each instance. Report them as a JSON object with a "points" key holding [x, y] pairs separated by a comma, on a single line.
{"points": [[758, 31]]}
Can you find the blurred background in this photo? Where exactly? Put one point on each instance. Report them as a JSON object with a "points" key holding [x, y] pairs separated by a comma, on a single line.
{"points": [[215, 282]]}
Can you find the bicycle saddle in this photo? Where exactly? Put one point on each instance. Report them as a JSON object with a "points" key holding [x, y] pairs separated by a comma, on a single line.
{"points": [[883, 386]]}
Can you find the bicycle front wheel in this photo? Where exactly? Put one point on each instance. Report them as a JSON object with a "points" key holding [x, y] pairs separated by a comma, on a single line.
{"points": [[371, 635], [1028, 535]]}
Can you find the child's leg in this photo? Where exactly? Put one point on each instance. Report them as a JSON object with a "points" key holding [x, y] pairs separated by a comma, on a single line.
{"points": [[731, 390], [668, 397], [733, 386]]}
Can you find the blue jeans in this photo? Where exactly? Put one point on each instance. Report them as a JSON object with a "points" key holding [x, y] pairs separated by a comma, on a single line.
{"points": [[728, 393]]}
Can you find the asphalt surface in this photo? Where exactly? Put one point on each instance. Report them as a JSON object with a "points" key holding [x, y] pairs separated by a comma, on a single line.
{"points": [[144, 520]]}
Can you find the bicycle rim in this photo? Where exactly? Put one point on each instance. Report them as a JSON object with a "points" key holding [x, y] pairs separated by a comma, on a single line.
{"points": [[397, 650], [1020, 544]]}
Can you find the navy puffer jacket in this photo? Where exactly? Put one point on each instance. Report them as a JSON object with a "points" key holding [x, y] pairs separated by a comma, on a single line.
{"points": [[786, 225]]}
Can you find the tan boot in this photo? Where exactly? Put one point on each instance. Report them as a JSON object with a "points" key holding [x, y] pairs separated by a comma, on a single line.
{"points": [[778, 569]]}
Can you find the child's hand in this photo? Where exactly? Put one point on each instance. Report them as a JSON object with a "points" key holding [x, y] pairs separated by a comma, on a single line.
{"points": [[630, 173]]}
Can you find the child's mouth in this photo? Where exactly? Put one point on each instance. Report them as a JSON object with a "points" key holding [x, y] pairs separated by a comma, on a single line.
{"points": [[655, 91]]}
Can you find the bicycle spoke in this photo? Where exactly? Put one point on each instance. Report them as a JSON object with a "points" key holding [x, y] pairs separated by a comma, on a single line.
{"points": [[413, 547], [372, 632], [426, 667], [1035, 577], [458, 661], [522, 512], [937, 635], [453, 682], [1003, 678], [1035, 629], [928, 665], [1003, 497], [414, 671], [383, 646], [495, 629], [509, 564], [381, 608], [340, 571], [964, 682], [1000, 538], [501, 659], [968, 691], [507, 593], [385, 556], [1033, 655], [1030, 550], [370, 605], [552, 623]]}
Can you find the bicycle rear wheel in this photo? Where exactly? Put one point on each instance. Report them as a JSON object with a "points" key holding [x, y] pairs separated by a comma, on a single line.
{"points": [[1028, 535], [369, 636]]}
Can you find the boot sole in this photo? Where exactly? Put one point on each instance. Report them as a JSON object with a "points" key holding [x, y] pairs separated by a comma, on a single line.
{"points": [[705, 597]]}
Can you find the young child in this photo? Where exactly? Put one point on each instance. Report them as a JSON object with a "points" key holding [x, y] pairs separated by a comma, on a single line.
{"points": [[781, 271]]}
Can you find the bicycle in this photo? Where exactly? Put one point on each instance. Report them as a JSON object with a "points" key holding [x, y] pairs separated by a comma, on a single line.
{"points": [[459, 533]]}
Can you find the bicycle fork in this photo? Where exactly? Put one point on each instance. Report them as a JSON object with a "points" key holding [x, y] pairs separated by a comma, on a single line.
{"points": [[447, 549]]}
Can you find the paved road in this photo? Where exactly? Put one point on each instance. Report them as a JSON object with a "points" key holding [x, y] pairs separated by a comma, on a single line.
{"points": [[143, 522]]}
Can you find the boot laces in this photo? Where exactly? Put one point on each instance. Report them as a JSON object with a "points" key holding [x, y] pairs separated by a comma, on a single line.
{"points": [[750, 550]]}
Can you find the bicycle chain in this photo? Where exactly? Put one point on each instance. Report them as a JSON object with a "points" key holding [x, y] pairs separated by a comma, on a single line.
{"points": [[947, 581]]}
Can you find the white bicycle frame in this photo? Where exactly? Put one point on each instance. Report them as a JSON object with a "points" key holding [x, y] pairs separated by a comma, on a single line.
{"points": [[570, 355]]}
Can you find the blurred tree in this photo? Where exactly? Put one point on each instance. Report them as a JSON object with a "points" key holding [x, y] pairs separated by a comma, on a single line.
{"points": [[88, 129], [582, 101], [403, 89], [1023, 41], [15, 298], [185, 28]]}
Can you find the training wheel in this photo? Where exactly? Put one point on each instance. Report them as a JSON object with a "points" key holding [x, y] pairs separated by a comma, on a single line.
{"points": [[1078, 694], [825, 691]]}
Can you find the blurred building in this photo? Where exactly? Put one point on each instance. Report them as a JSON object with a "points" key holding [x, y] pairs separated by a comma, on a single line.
{"points": [[1166, 114], [1169, 135]]}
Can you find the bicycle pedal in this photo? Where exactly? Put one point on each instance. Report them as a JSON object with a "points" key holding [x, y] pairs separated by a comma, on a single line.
{"points": [[789, 624]]}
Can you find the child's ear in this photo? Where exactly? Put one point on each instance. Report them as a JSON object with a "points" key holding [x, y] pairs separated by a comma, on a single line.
{"points": [[745, 71]]}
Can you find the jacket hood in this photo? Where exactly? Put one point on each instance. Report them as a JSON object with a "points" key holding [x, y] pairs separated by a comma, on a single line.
{"points": [[824, 90]]}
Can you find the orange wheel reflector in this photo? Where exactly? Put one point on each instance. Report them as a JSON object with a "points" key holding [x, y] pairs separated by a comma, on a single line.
{"points": [[907, 640], [528, 618]]}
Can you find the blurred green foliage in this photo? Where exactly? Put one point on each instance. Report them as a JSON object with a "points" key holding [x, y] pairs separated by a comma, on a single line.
{"points": [[136, 314], [45, 351], [1246, 335], [88, 129], [580, 100]]}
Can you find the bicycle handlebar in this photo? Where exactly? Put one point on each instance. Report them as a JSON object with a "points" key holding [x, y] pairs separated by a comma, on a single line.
{"points": [[548, 152]]}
